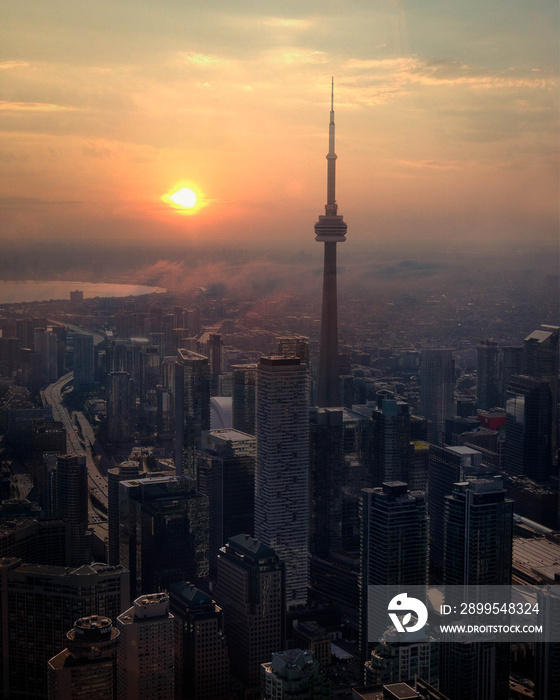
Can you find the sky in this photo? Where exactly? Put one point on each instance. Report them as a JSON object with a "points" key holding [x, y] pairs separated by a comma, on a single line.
{"points": [[447, 120]]}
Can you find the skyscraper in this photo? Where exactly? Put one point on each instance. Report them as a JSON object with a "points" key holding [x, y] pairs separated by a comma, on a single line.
{"points": [[529, 428], [393, 548], [250, 590], [163, 535], [244, 397], [281, 478], [391, 439], [145, 660], [38, 604], [121, 407], [226, 474], [326, 457], [201, 653], [124, 472], [87, 668], [437, 379], [83, 360], [447, 466], [540, 360], [478, 536], [192, 408], [71, 505], [488, 386], [330, 230]]}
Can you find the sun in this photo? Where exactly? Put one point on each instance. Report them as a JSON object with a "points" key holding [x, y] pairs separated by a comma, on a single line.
{"points": [[185, 197]]}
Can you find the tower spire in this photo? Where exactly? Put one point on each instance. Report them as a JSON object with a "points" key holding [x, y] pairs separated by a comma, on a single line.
{"points": [[330, 230]]}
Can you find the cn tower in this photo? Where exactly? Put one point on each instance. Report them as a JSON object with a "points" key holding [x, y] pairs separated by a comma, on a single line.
{"points": [[330, 230]]}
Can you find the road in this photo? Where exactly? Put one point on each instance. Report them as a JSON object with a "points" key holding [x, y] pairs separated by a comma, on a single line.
{"points": [[80, 439]]}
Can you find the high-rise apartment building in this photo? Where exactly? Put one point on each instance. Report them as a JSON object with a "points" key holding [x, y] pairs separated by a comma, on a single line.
{"points": [[391, 439], [126, 471], [145, 659], [478, 536], [192, 408], [163, 535], [393, 549], [437, 381], [87, 668], [46, 346], [244, 397], [82, 344], [71, 505], [529, 428], [488, 375], [226, 474], [447, 466], [512, 363], [281, 478], [326, 458], [201, 653], [540, 360], [330, 230], [250, 590], [121, 407], [39, 603]]}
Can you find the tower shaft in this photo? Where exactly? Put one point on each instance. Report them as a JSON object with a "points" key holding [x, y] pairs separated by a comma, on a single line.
{"points": [[330, 230]]}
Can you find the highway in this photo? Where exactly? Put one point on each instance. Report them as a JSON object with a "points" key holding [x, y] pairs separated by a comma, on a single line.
{"points": [[80, 439]]}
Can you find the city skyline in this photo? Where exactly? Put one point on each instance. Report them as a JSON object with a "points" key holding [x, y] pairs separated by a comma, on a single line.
{"points": [[447, 120]]}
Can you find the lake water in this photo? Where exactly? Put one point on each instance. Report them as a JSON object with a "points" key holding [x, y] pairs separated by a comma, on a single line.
{"points": [[12, 292]]}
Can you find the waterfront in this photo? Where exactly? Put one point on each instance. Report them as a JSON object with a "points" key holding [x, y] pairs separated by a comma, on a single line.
{"points": [[19, 291]]}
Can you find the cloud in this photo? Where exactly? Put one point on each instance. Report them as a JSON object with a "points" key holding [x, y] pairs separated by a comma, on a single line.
{"points": [[285, 23], [10, 65], [33, 107]]}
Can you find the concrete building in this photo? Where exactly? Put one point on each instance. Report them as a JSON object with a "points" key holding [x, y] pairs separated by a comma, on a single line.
{"points": [[250, 590], [87, 668], [281, 478], [294, 673], [145, 659]]}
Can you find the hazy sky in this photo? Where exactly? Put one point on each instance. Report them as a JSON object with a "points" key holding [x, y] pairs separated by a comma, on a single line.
{"points": [[447, 118]]}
